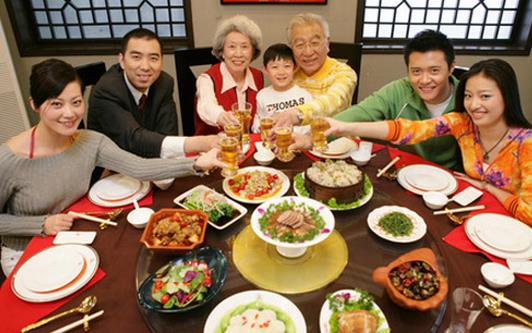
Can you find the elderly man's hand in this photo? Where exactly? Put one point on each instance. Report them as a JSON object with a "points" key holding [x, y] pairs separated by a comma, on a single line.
{"points": [[226, 118], [286, 118]]}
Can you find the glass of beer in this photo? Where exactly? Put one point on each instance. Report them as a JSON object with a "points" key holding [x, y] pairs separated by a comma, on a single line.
{"points": [[234, 131], [283, 139], [243, 114], [229, 154], [266, 125], [318, 126]]}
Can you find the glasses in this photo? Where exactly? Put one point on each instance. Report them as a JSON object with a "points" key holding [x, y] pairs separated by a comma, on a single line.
{"points": [[266, 125], [318, 126], [243, 114], [283, 139], [229, 154], [314, 44]]}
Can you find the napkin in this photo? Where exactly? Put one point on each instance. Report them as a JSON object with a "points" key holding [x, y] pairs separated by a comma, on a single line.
{"points": [[17, 313], [253, 137], [85, 205]]}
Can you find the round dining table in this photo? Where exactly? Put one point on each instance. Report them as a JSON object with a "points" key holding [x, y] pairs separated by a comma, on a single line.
{"points": [[127, 263]]}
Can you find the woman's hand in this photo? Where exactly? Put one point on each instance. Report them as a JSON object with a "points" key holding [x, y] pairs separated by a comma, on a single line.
{"points": [[55, 223], [226, 118], [338, 128], [209, 161], [475, 182]]}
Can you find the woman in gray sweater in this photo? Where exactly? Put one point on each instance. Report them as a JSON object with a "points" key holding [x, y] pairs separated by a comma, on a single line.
{"points": [[48, 167]]}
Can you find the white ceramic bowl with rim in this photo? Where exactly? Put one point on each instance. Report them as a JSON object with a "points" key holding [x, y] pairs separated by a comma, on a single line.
{"points": [[435, 200], [264, 157], [497, 275], [139, 217]]}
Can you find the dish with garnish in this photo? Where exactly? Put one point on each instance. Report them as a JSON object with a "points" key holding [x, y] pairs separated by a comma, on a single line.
{"points": [[292, 223], [175, 229], [256, 184], [185, 283], [262, 311], [222, 211], [338, 184], [352, 311], [397, 224]]}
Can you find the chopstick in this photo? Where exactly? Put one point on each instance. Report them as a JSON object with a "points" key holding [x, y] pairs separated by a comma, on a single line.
{"points": [[92, 218], [78, 322], [505, 300], [459, 210], [389, 165]]}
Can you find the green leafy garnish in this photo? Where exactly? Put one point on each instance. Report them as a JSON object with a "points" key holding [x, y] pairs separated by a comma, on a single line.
{"points": [[209, 202], [396, 224]]}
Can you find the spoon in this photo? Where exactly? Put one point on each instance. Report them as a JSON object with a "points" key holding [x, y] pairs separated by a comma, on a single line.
{"points": [[84, 308], [494, 307]]}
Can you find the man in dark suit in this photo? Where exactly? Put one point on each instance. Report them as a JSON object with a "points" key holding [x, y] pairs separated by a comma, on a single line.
{"points": [[133, 102]]}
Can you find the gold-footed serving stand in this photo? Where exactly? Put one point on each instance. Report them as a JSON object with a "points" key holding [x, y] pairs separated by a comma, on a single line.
{"points": [[261, 264]]}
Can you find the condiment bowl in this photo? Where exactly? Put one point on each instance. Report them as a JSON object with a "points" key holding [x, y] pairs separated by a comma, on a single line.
{"points": [[497, 275], [435, 200], [139, 217], [360, 158], [264, 157]]}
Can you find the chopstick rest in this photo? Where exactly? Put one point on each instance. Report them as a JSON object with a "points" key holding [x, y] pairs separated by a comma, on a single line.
{"points": [[92, 218], [459, 210], [388, 166]]}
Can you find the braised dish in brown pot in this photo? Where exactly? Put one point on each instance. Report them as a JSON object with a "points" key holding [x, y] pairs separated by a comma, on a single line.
{"points": [[175, 229], [414, 280]]}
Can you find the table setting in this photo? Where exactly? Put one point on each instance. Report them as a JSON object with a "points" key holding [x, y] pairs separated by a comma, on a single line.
{"points": [[321, 272]]}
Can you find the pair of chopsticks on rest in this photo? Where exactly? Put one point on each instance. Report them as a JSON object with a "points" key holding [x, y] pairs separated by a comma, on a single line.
{"points": [[77, 323], [506, 300], [92, 218]]}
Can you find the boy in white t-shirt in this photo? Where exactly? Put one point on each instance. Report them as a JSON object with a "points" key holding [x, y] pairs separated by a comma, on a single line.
{"points": [[283, 94]]}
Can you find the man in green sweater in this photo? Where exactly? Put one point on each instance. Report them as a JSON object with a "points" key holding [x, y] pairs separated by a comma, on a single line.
{"points": [[426, 92]]}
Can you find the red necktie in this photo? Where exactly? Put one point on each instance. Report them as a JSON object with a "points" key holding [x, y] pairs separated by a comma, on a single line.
{"points": [[142, 103]]}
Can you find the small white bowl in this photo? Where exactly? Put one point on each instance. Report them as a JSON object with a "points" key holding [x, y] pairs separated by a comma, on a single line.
{"points": [[264, 157], [497, 275], [435, 200], [139, 217], [360, 158]]}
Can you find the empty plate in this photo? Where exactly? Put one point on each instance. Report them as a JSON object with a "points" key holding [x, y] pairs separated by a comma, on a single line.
{"points": [[426, 173], [503, 233], [117, 187]]}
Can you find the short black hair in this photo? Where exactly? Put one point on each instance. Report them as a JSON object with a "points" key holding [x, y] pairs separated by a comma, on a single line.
{"points": [[139, 33], [278, 51], [430, 40], [503, 74], [49, 78]]}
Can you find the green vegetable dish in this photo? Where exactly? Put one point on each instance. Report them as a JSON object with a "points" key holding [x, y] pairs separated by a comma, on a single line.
{"points": [[183, 284], [291, 222], [355, 311], [299, 184], [396, 224], [256, 317], [213, 204]]}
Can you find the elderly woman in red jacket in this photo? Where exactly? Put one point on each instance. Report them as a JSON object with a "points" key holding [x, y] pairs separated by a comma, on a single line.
{"points": [[236, 43]]}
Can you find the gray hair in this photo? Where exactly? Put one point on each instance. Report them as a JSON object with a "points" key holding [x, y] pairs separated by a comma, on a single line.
{"points": [[241, 24], [307, 19]]}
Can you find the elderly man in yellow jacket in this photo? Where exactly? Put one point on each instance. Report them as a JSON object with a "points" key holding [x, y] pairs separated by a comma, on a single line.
{"points": [[330, 81]]}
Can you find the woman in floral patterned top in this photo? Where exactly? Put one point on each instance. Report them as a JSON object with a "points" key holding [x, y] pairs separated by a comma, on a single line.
{"points": [[494, 136]]}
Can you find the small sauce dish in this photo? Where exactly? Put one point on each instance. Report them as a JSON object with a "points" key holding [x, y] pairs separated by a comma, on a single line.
{"points": [[435, 200], [497, 275], [139, 217], [360, 158], [264, 157]]}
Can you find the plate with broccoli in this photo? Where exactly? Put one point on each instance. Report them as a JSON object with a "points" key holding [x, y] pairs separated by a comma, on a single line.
{"points": [[221, 210]]}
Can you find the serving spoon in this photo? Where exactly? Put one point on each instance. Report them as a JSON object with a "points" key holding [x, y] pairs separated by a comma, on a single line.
{"points": [[84, 307], [494, 307]]}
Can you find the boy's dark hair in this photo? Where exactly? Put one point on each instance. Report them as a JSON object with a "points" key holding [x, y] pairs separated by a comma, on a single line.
{"points": [[503, 74], [139, 33], [49, 78], [278, 51], [430, 40]]}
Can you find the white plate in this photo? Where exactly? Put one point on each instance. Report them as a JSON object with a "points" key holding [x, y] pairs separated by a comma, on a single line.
{"points": [[284, 187], [419, 230], [241, 209], [423, 168], [480, 219], [504, 233], [508, 328], [116, 187], [91, 261], [342, 147], [426, 181], [326, 312], [325, 213], [94, 195], [50, 270], [361, 201], [229, 304]]}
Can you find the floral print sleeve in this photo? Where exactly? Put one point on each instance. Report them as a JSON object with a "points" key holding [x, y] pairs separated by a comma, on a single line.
{"points": [[520, 204]]}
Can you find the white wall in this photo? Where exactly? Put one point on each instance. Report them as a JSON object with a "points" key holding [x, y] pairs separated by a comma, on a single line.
{"points": [[376, 70]]}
